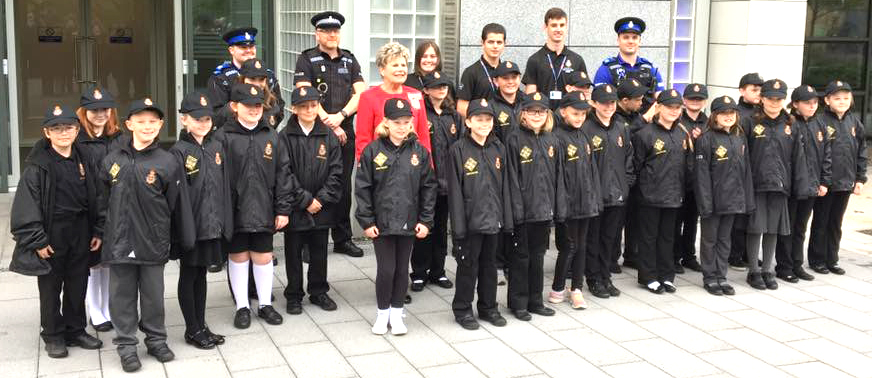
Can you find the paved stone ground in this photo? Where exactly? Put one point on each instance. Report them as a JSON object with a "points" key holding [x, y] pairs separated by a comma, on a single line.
{"points": [[812, 329]]}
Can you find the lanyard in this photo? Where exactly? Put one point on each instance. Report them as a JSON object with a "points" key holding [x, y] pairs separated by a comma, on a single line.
{"points": [[489, 80], [555, 74]]}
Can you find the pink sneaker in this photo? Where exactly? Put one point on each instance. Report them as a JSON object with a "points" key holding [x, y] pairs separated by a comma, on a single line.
{"points": [[557, 296], [577, 300]]}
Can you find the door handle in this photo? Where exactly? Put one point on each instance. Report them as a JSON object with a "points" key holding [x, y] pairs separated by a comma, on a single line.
{"points": [[77, 76]]}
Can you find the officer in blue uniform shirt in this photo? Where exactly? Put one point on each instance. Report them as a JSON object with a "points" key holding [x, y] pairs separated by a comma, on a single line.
{"points": [[629, 65], [242, 46]]}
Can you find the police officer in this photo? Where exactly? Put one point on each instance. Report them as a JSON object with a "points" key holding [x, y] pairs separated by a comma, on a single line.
{"points": [[335, 73], [242, 46], [546, 66], [629, 65]]}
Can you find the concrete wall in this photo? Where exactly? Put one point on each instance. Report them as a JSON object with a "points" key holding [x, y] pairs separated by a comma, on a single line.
{"points": [[591, 28]]}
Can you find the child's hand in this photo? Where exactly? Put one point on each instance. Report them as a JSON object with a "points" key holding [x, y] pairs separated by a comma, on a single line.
{"points": [[281, 221], [421, 231], [371, 232], [858, 187], [822, 191], [45, 253], [314, 207], [95, 244]]}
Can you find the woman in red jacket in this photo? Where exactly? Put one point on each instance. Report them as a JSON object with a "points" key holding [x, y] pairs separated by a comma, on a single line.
{"points": [[392, 60]]}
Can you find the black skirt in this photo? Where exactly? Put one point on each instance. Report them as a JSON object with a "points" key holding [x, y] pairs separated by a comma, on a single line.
{"points": [[205, 253], [772, 215]]}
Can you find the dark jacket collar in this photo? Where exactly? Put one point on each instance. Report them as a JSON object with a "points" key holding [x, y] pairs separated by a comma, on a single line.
{"points": [[294, 128]]}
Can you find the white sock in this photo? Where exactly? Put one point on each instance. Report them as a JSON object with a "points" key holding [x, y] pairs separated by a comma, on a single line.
{"points": [[104, 292], [239, 282], [263, 279], [93, 297]]}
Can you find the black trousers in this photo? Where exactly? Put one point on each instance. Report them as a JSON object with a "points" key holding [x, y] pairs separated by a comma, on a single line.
{"points": [[342, 229], [316, 276], [392, 254], [788, 250], [192, 297], [656, 238], [526, 266], [714, 247], [685, 229], [574, 254], [476, 264], [603, 243], [631, 229], [826, 228], [738, 235], [428, 255], [68, 279]]}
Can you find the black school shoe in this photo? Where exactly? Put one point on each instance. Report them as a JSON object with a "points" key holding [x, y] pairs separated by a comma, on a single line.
{"points": [[820, 269], [737, 264], [324, 301], [442, 282], [493, 317], [467, 322], [713, 289], [668, 286], [417, 285], [769, 280], [215, 268], [789, 277], [658, 289], [615, 269], [216, 338], [678, 268], [692, 264], [56, 349], [270, 315], [294, 307], [162, 353], [242, 320], [407, 299], [522, 315], [613, 291], [102, 327], [802, 274], [348, 248], [598, 289], [542, 311], [756, 281], [130, 362], [836, 269], [727, 289], [200, 340], [84, 341]]}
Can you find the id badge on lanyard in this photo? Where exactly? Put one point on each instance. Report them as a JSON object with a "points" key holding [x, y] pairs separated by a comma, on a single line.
{"points": [[555, 94]]}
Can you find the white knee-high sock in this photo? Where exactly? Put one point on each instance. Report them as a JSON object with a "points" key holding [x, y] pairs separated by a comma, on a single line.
{"points": [[93, 296], [263, 279], [104, 292], [239, 282]]}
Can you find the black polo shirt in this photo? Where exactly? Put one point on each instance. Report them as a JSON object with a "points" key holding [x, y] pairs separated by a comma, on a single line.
{"points": [[333, 78], [476, 83], [71, 192], [547, 74]]}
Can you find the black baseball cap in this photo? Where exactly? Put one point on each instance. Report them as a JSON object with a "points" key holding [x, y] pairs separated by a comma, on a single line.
{"points": [[480, 106], [248, 94], [804, 93], [139, 106], [604, 93], [253, 68], [196, 104], [696, 91], [723, 103], [396, 108], [328, 20], [752, 78], [630, 25], [97, 98], [59, 114], [837, 85], [631, 89], [435, 79], [303, 94], [669, 97], [240, 36], [775, 88], [534, 100], [576, 78], [574, 100], [507, 67]]}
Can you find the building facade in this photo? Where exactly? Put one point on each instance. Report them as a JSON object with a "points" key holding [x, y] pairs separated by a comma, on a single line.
{"points": [[52, 49]]}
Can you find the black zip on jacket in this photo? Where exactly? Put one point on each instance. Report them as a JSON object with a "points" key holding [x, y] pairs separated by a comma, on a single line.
{"points": [[632, 120], [506, 115], [612, 152], [816, 167], [316, 163], [848, 146], [445, 129], [262, 185], [580, 175], [479, 188], [208, 186], [661, 159], [395, 187], [536, 164], [772, 145], [33, 207], [148, 206], [722, 174]]}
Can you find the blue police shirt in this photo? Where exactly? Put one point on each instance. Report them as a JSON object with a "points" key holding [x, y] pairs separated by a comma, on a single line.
{"points": [[604, 75]]}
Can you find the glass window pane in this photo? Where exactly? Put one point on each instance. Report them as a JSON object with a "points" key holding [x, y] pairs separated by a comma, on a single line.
{"points": [[683, 29], [828, 61], [408, 43], [681, 50], [402, 24], [403, 5], [426, 5], [684, 8], [375, 44], [680, 72], [374, 76], [425, 26], [380, 5], [837, 18], [379, 23]]}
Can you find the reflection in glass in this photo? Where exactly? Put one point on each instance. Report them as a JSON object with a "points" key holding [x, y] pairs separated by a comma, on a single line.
{"points": [[837, 18], [825, 61], [379, 23]]}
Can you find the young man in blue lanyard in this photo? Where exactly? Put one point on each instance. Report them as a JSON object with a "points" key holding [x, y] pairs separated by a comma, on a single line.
{"points": [[546, 67], [476, 82]]}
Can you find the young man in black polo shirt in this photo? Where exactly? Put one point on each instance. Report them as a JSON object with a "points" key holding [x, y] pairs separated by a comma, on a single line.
{"points": [[545, 67], [477, 79]]}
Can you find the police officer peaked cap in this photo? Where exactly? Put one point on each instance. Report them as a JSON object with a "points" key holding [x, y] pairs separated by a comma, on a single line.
{"points": [[804, 93], [241, 36], [507, 67], [139, 106], [59, 114], [837, 85], [696, 91], [328, 20], [775, 88], [248, 94], [574, 100], [723, 104], [396, 108], [630, 25], [303, 94], [669, 97], [97, 98], [253, 68], [604, 93], [196, 104]]}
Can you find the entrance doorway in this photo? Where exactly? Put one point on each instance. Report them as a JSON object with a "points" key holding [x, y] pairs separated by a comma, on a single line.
{"points": [[64, 47]]}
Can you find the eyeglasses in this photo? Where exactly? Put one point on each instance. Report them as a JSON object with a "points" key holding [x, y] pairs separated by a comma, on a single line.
{"points": [[58, 129], [537, 112]]}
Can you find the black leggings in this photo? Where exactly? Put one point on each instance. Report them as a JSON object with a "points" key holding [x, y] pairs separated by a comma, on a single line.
{"points": [[392, 253], [192, 297], [575, 254]]}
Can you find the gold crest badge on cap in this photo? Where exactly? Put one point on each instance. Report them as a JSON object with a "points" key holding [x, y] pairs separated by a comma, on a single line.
{"points": [[696, 88], [727, 100], [838, 83], [776, 85], [267, 151], [97, 94], [147, 102], [537, 97], [635, 83], [673, 92], [508, 64], [810, 89], [203, 101], [152, 177], [57, 110], [253, 91], [257, 64], [483, 102], [414, 160], [436, 75], [217, 158], [608, 88], [302, 91], [400, 104]]}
